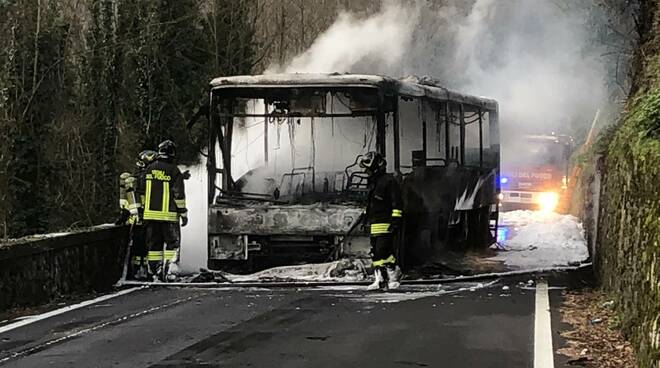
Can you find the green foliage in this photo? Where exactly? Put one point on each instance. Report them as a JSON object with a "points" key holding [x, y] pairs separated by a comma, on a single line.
{"points": [[32, 99], [86, 85]]}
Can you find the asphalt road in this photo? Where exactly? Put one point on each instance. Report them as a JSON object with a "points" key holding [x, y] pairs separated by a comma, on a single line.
{"points": [[453, 325]]}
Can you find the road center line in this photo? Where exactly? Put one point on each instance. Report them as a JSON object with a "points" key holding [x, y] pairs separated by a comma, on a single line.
{"points": [[39, 317], [543, 350], [117, 321]]}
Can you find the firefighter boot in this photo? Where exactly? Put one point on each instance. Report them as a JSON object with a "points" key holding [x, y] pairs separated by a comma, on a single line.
{"points": [[142, 273], [393, 276], [173, 267], [379, 280], [155, 271]]}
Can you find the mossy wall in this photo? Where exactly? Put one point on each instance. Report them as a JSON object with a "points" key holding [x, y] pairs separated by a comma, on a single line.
{"points": [[627, 245], [628, 256]]}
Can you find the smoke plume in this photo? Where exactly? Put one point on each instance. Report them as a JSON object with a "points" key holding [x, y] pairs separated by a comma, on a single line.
{"points": [[535, 57], [379, 39]]}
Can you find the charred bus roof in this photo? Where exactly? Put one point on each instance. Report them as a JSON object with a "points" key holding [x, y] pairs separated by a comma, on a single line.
{"points": [[410, 86]]}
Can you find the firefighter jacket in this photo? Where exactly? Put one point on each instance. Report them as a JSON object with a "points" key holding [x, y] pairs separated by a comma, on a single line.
{"points": [[128, 185], [164, 192], [384, 204]]}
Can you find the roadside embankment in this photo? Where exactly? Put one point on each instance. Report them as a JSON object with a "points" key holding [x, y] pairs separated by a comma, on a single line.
{"points": [[36, 270], [626, 203], [628, 233]]}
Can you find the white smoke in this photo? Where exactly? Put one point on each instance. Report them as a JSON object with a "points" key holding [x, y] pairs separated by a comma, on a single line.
{"points": [[379, 39], [535, 57]]}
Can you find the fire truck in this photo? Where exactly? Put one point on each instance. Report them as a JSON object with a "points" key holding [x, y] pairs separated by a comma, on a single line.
{"points": [[283, 180], [535, 173]]}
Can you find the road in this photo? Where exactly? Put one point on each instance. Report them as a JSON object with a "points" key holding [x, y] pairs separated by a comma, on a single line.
{"points": [[453, 325]]}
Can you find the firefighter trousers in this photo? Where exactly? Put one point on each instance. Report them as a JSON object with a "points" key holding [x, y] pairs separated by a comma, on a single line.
{"points": [[138, 254], [159, 235], [382, 250]]}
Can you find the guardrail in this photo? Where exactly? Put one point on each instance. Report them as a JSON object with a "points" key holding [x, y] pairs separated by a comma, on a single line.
{"points": [[36, 270]]}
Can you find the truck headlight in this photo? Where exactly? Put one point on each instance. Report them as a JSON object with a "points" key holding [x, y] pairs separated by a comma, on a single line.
{"points": [[547, 201]]}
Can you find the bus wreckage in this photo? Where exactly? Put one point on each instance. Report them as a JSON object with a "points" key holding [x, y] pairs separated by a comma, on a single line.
{"points": [[285, 187]]}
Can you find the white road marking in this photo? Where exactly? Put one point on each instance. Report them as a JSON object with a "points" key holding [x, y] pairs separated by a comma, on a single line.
{"points": [[543, 350], [39, 317], [122, 319]]}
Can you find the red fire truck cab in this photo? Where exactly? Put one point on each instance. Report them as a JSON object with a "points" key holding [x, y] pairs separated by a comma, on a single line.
{"points": [[535, 173]]}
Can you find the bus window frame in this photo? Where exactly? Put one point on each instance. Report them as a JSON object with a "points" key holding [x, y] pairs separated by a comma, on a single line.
{"points": [[222, 132], [445, 107]]}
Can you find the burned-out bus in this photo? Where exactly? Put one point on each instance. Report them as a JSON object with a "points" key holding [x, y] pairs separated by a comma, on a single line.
{"points": [[285, 186]]}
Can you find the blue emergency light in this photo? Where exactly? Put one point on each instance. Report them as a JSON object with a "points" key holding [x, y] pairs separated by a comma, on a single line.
{"points": [[504, 180]]}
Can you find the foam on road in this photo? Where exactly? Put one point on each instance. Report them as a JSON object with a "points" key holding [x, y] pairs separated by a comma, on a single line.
{"points": [[535, 239]]}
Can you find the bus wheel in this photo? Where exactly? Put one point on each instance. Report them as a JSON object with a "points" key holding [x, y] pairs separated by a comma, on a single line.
{"points": [[479, 228]]}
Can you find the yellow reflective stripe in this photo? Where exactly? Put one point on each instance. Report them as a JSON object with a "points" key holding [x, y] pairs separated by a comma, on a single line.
{"points": [[180, 203], [133, 206], [164, 213], [166, 196], [385, 261], [155, 255], [160, 216], [385, 225], [397, 213], [147, 202], [380, 229]]}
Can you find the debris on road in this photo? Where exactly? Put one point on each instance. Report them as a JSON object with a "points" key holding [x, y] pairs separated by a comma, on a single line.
{"points": [[595, 340], [409, 293], [608, 304], [342, 270]]}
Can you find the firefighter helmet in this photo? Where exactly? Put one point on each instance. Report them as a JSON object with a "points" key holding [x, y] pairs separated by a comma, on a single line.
{"points": [[167, 149], [145, 158], [372, 161]]}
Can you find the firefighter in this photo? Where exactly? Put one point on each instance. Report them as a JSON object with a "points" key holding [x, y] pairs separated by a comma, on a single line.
{"points": [[131, 209], [139, 248], [384, 215], [124, 212], [164, 206]]}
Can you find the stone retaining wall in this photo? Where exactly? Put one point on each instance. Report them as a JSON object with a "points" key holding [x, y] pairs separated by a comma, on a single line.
{"points": [[627, 229], [34, 271]]}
